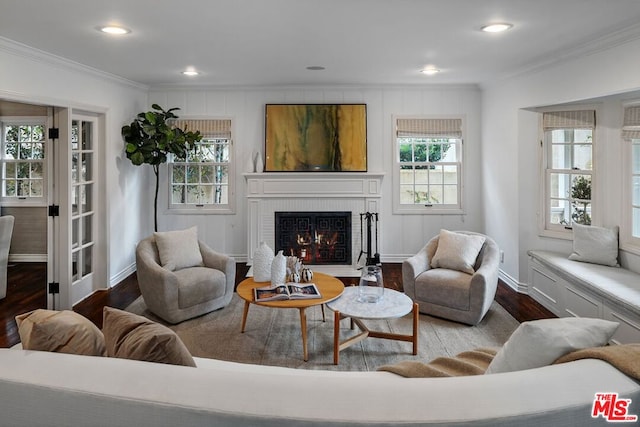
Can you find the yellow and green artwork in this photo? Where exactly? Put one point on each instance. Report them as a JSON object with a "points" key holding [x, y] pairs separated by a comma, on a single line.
{"points": [[316, 137]]}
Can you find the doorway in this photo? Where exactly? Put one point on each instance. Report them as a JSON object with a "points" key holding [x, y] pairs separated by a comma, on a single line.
{"points": [[57, 199]]}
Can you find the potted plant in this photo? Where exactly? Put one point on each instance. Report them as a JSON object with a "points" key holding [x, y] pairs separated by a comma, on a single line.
{"points": [[150, 138], [581, 199]]}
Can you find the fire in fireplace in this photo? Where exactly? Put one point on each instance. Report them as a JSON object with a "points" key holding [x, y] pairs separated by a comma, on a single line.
{"points": [[314, 237]]}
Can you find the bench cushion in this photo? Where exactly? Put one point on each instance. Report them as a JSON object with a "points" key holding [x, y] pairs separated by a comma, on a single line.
{"points": [[614, 283]]}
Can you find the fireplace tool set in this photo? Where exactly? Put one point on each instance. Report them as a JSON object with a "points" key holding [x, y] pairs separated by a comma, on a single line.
{"points": [[370, 221]]}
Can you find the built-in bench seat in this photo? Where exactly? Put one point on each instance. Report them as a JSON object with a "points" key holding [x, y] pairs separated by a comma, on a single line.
{"points": [[573, 288]]}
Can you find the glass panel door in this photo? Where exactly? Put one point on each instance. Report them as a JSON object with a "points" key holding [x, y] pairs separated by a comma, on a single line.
{"points": [[83, 140]]}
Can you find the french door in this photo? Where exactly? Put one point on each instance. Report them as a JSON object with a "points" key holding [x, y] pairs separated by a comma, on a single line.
{"points": [[73, 254], [84, 131]]}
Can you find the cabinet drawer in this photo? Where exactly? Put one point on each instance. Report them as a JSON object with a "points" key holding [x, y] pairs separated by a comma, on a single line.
{"points": [[580, 304], [546, 288], [629, 329]]}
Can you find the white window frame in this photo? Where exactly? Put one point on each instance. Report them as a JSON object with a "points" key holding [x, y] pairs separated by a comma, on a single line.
{"points": [[426, 208], [14, 201], [562, 231], [212, 208], [628, 241]]}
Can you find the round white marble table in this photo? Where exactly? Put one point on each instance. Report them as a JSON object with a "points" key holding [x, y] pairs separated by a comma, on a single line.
{"points": [[393, 304]]}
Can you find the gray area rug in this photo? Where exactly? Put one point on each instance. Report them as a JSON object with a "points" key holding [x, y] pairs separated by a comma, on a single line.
{"points": [[272, 337]]}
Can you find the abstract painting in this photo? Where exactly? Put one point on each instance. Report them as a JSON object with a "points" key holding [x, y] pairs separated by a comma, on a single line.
{"points": [[316, 137]]}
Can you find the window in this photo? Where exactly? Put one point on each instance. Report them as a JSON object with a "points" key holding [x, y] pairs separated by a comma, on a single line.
{"points": [[23, 160], [202, 180], [630, 231], [428, 165], [568, 144]]}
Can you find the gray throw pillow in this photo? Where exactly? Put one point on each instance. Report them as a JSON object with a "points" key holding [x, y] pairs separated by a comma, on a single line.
{"points": [[179, 249], [596, 245], [457, 251], [540, 342]]}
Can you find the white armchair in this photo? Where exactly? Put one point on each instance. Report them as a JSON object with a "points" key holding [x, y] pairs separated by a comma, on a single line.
{"points": [[450, 293], [180, 293]]}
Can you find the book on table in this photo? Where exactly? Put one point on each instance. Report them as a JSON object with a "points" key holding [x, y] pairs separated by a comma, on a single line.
{"points": [[284, 291]]}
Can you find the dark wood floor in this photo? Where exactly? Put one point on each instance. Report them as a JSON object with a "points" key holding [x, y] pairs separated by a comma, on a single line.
{"points": [[27, 282]]}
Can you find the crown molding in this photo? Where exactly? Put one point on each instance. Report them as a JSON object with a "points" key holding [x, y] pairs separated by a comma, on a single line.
{"points": [[588, 47], [14, 48]]}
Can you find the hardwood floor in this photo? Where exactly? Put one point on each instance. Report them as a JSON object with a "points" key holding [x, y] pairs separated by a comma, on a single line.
{"points": [[27, 283]]}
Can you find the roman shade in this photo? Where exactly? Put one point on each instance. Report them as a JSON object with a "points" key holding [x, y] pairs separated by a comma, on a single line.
{"points": [[209, 128], [429, 128]]}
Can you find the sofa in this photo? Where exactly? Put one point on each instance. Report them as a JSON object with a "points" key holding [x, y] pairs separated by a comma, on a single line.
{"points": [[50, 389]]}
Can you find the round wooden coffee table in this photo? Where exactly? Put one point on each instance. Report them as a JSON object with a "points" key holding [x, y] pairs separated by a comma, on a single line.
{"points": [[330, 288]]}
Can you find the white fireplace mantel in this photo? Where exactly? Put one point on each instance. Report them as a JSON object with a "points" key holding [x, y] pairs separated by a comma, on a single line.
{"points": [[270, 192]]}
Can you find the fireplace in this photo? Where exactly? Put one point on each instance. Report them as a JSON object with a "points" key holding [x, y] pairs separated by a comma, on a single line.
{"points": [[315, 237], [316, 192]]}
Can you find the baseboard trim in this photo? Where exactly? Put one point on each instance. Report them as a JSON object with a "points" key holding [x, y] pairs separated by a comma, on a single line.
{"points": [[27, 257], [119, 277], [510, 281]]}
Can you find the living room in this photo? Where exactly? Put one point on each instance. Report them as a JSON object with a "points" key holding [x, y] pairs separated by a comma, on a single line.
{"points": [[556, 56], [501, 180]]}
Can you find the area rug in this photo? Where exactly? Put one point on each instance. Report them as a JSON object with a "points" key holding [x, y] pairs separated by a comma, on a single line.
{"points": [[272, 337]]}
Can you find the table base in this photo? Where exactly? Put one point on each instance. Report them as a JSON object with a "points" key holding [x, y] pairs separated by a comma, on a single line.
{"points": [[303, 326], [366, 332]]}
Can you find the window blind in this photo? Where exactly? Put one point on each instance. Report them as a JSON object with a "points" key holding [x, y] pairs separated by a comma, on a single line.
{"points": [[631, 123], [429, 128], [209, 128], [579, 119]]}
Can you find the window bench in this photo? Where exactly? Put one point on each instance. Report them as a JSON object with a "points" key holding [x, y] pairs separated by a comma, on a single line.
{"points": [[573, 288]]}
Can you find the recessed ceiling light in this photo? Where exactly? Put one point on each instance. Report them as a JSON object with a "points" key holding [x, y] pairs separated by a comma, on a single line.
{"points": [[430, 71], [315, 67], [114, 29], [496, 28], [190, 73]]}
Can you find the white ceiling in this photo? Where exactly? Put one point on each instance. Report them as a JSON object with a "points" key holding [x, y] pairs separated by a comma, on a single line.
{"points": [[271, 42]]}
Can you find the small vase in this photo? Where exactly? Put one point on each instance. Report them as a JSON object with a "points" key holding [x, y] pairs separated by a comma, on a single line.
{"points": [[262, 259], [307, 275], [259, 162], [279, 269], [251, 166]]}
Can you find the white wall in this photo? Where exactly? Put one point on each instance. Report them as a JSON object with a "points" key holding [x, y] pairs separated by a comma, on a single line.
{"points": [[509, 132], [35, 77], [400, 235]]}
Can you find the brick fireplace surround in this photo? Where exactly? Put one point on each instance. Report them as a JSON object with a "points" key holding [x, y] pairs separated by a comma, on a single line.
{"points": [[270, 192]]}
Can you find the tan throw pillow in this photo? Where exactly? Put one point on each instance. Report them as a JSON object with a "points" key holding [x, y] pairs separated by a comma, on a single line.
{"points": [[179, 249], [129, 336], [60, 331], [457, 251]]}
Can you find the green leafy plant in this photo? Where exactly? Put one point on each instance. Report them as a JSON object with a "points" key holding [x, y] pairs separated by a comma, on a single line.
{"points": [[150, 138], [580, 200]]}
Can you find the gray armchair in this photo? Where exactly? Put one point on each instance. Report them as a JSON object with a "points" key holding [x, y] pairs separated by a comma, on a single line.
{"points": [[179, 295], [6, 230], [452, 294]]}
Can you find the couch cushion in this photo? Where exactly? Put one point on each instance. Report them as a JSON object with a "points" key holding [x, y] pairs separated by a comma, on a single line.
{"points": [[596, 245], [178, 249], [199, 284], [441, 286], [60, 331], [540, 342], [457, 251], [129, 336]]}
